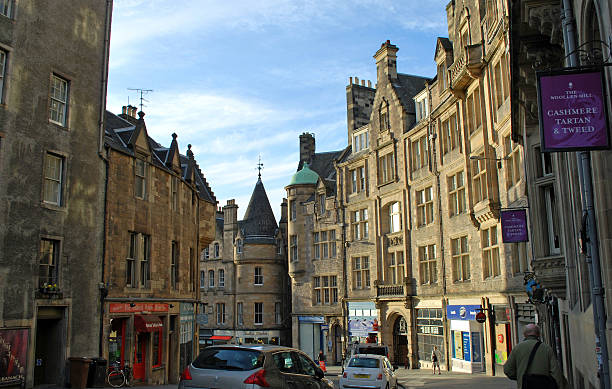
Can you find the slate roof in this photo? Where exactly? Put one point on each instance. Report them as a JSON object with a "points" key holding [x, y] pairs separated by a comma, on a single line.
{"points": [[323, 165], [259, 224], [407, 87], [118, 133]]}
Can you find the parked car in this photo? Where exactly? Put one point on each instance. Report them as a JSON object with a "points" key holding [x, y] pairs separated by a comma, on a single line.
{"points": [[253, 367], [366, 348], [368, 371]]}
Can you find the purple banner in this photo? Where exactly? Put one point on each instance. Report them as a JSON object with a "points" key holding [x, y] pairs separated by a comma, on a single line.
{"points": [[13, 354], [514, 226], [573, 111]]}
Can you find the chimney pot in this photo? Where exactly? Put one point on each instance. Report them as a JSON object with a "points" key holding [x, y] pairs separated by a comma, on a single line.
{"points": [[124, 110], [369, 84]]}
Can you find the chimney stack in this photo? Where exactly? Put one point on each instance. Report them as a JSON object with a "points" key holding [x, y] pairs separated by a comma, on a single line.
{"points": [[386, 61], [307, 147]]}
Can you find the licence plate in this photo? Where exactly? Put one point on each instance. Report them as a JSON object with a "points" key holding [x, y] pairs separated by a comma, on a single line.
{"points": [[361, 376]]}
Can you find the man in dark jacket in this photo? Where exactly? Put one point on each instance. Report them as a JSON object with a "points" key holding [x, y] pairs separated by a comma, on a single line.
{"points": [[544, 361]]}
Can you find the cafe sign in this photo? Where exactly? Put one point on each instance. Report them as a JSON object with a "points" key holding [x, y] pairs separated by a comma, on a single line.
{"points": [[573, 110]]}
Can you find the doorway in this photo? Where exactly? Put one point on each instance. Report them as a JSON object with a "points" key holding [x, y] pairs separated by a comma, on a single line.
{"points": [[49, 353], [140, 355], [337, 344], [400, 342]]}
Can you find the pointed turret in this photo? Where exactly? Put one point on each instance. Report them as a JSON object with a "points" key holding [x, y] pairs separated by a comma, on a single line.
{"points": [[259, 220]]}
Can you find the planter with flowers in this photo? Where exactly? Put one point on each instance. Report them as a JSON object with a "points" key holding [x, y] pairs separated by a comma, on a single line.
{"points": [[49, 290]]}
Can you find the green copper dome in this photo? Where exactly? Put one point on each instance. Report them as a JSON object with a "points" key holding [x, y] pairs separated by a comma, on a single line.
{"points": [[304, 176]]}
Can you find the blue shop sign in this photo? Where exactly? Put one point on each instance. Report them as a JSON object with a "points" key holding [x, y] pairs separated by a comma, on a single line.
{"points": [[311, 319], [466, 346], [462, 312]]}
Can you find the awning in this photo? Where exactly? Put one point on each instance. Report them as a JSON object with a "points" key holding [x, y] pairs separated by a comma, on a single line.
{"points": [[220, 337], [147, 323]]}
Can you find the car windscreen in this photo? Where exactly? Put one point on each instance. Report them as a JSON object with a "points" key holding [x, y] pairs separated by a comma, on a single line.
{"points": [[371, 363], [373, 350], [229, 359]]}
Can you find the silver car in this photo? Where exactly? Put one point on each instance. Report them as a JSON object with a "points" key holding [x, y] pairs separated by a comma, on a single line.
{"points": [[253, 367]]}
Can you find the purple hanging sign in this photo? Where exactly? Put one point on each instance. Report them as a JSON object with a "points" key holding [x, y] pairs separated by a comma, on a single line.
{"points": [[514, 226], [573, 111]]}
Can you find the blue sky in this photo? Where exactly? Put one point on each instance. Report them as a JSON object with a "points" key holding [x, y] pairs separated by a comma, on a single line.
{"points": [[237, 79]]}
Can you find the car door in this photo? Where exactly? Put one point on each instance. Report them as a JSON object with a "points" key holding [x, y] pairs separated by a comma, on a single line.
{"points": [[289, 369], [307, 371]]}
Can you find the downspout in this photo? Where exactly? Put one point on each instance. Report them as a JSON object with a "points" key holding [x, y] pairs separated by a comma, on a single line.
{"points": [[103, 91]]}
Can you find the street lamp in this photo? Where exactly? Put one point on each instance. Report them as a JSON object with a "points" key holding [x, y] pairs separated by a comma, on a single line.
{"points": [[499, 160]]}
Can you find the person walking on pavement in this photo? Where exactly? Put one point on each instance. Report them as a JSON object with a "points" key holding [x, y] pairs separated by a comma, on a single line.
{"points": [[435, 359], [322, 360], [532, 364]]}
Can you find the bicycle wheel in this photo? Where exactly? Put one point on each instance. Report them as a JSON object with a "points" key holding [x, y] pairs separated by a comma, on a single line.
{"points": [[115, 378]]}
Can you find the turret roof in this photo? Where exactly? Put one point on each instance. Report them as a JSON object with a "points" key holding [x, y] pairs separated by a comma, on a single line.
{"points": [[259, 222]]}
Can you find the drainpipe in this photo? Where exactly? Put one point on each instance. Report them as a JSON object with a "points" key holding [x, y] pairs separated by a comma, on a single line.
{"points": [[583, 159], [103, 88], [343, 241]]}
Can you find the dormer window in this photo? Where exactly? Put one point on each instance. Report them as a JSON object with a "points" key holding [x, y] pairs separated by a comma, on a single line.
{"points": [[361, 141], [442, 78], [239, 246], [421, 107], [322, 204]]}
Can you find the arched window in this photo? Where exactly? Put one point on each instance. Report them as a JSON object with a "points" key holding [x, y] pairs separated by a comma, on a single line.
{"points": [[383, 113], [395, 223], [216, 250]]}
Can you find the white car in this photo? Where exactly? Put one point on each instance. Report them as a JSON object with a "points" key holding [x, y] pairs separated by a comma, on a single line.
{"points": [[368, 371]]}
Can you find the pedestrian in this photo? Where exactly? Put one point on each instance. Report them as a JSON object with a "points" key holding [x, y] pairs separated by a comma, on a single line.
{"points": [[435, 359], [406, 360], [533, 364], [322, 359]]}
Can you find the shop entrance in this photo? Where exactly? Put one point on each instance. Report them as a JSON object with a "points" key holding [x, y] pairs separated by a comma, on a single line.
{"points": [[400, 341], [140, 353]]}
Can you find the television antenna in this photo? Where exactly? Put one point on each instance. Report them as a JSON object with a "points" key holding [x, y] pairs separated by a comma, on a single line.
{"points": [[142, 93]]}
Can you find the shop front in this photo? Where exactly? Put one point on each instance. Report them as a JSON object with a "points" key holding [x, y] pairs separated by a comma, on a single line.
{"points": [[311, 336], [466, 338], [363, 322], [137, 338]]}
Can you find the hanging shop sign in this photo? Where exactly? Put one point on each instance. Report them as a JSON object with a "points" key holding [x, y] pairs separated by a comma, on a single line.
{"points": [[514, 226], [573, 110], [462, 312]]}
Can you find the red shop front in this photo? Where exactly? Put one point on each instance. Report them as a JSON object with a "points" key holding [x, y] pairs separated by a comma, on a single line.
{"points": [[137, 338]]}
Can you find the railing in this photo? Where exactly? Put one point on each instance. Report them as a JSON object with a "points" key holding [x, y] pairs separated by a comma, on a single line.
{"points": [[390, 290]]}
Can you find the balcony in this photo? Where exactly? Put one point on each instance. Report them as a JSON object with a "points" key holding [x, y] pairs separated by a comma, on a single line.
{"points": [[393, 291], [466, 68]]}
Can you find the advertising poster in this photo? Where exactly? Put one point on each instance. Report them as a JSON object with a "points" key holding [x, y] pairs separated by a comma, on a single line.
{"points": [[458, 343], [466, 346], [361, 327], [514, 226], [13, 354], [573, 111]]}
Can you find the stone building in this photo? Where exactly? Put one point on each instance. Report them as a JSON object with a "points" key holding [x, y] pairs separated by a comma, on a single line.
{"points": [[539, 43], [419, 195], [53, 69], [159, 215], [244, 289], [316, 260]]}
